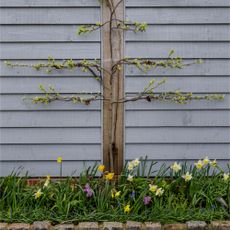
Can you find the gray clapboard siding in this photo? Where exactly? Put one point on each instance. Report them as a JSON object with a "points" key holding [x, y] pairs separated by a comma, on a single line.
{"points": [[50, 135], [178, 151], [182, 33], [49, 3], [22, 102], [197, 84], [45, 33], [34, 135], [61, 84], [49, 15], [186, 15], [177, 118], [18, 51], [43, 168], [177, 135], [183, 49], [50, 152], [177, 3], [51, 119]]}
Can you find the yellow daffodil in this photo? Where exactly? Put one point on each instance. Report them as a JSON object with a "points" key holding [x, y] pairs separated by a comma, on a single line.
{"points": [[109, 176], [127, 209], [38, 194], [59, 160], [130, 178], [159, 192], [206, 161], [101, 168], [153, 188], [117, 194], [199, 164], [225, 176], [187, 176], [176, 167], [213, 163]]}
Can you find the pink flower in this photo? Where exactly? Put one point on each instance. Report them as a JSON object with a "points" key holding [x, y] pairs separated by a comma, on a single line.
{"points": [[88, 190], [147, 200]]}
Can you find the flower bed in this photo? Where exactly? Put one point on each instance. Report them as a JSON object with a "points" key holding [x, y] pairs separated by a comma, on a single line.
{"points": [[177, 193]]}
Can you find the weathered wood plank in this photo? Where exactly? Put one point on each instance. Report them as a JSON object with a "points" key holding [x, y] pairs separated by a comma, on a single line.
{"points": [[41, 152], [50, 135], [50, 119], [177, 3], [23, 102], [45, 33], [43, 50], [49, 3], [179, 15], [178, 151], [186, 84], [183, 49], [178, 135], [43, 168], [182, 33], [208, 68], [61, 85], [177, 118], [49, 15]]}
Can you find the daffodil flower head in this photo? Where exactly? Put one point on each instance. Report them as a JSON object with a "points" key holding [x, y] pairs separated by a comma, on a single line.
{"points": [[101, 168], [159, 192], [127, 208], [117, 194], [176, 167], [59, 160], [153, 188], [130, 178], [130, 166], [199, 164], [136, 162], [187, 177], [206, 161], [226, 176], [213, 163], [109, 176], [38, 194]]}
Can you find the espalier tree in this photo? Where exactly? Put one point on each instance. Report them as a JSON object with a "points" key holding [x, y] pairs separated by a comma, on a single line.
{"points": [[100, 71]]}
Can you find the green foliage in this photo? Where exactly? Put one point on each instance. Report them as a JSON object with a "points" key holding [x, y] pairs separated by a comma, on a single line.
{"points": [[93, 197]]}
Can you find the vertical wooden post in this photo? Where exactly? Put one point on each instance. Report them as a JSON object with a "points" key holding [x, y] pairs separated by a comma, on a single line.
{"points": [[113, 86]]}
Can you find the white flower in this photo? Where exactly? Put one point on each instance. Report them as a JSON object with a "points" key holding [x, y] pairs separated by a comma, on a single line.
{"points": [[199, 164], [130, 166], [136, 162], [206, 160], [130, 178], [225, 176], [175, 167], [187, 176], [159, 192]]}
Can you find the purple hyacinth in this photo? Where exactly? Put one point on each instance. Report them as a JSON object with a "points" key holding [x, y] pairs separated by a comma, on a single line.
{"points": [[147, 200], [88, 190], [132, 195]]}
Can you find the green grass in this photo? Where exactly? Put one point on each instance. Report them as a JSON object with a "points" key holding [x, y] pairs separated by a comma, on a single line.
{"points": [[205, 197]]}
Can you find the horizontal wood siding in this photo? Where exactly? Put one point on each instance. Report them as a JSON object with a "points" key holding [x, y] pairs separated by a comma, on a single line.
{"points": [[34, 135], [169, 132]]}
